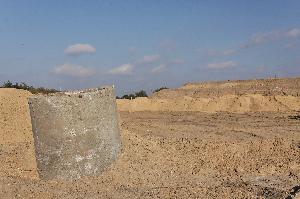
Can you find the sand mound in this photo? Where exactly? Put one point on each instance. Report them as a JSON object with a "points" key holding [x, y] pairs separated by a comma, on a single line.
{"points": [[16, 141], [265, 95], [266, 87], [228, 103], [14, 116]]}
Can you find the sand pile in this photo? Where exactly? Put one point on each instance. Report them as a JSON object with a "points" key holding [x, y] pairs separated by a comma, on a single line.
{"points": [[275, 95], [266, 87], [13, 107], [16, 135], [228, 103]]}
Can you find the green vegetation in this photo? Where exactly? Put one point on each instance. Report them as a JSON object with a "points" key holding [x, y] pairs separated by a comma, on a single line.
{"points": [[24, 86], [159, 89], [141, 93]]}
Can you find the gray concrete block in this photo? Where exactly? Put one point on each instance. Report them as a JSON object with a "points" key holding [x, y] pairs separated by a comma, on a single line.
{"points": [[76, 134]]}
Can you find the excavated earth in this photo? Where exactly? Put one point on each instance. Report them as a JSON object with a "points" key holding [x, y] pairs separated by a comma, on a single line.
{"points": [[238, 152]]}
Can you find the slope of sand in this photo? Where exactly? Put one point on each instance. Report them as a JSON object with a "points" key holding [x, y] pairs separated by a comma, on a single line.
{"points": [[268, 95], [266, 87], [165, 155], [16, 135], [15, 127], [228, 103]]}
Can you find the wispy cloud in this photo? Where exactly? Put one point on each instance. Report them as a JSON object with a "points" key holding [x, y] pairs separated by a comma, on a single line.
{"points": [[168, 44], [292, 45], [176, 62], [124, 69], [132, 50], [148, 59], [226, 52], [79, 49], [266, 37], [72, 70], [222, 65], [295, 32], [159, 69], [258, 39], [163, 67]]}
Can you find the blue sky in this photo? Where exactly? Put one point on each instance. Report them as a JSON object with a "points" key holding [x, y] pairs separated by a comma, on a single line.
{"points": [[146, 44]]}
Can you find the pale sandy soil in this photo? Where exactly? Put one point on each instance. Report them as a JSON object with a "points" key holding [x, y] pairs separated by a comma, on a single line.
{"points": [[166, 154], [271, 95], [229, 103]]}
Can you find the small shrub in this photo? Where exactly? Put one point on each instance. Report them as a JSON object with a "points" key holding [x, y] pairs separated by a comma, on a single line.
{"points": [[159, 89], [141, 93]]}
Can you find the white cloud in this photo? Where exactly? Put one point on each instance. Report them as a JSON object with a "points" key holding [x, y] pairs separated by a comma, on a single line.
{"points": [[159, 69], [259, 39], [226, 52], [295, 32], [265, 37], [168, 44], [222, 65], [132, 50], [124, 69], [73, 70], [176, 61], [163, 67], [292, 45], [127, 69], [149, 59], [79, 49]]}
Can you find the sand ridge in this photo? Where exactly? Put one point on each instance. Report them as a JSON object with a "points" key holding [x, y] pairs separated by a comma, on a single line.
{"points": [[269, 95], [228, 103]]}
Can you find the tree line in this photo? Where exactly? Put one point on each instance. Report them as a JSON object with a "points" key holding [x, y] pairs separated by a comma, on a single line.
{"points": [[33, 90], [24, 86], [140, 93]]}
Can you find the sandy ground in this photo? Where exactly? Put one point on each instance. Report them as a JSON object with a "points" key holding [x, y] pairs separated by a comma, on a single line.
{"points": [[166, 154]]}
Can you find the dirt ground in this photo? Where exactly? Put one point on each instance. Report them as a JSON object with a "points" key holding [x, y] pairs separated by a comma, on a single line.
{"points": [[166, 154]]}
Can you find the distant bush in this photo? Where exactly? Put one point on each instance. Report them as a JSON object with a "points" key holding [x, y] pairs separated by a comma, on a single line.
{"points": [[141, 93], [159, 89], [31, 89]]}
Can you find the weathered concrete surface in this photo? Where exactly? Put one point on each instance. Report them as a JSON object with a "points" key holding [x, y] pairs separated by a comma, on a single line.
{"points": [[75, 134]]}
